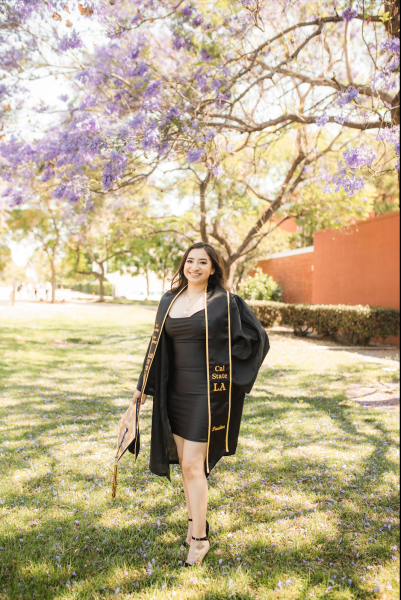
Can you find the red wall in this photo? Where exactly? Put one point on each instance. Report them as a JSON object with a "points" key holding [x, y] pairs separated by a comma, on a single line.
{"points": [[359, 264], [294, 274], [289, 225], [356, 265]]}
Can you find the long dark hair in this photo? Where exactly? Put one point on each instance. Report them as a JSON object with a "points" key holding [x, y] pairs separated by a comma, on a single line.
{"points": [[179, 280]]}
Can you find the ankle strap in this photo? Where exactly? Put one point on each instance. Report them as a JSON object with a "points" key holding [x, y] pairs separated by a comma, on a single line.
{"points": [[189, 519], [204, 539]]}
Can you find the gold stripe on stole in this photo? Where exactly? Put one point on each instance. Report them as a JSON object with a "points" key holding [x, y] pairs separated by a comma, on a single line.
{"points": [[208, 384], [145, 379], [229, 352]]}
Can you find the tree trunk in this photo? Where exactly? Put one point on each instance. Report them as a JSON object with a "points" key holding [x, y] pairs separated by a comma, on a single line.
{"points": [[101, 289], [202, 197], [230, 268], [101, 281], [229, 272], [147, 284], [230, 277], [53, 268], [392, 25]]}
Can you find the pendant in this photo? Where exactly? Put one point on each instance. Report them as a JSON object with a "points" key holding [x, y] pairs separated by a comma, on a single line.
{"points": [[185, 312]]}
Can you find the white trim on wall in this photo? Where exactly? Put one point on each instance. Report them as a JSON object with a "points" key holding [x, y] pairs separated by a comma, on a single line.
{"points": [[291, 252]]}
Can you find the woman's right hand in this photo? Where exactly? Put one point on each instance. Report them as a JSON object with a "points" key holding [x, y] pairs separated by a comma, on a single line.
{"points": [[137, 395]]}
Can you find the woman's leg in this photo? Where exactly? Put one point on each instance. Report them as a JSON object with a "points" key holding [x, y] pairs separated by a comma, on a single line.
{"points": [[179, 441], [193, 469]]}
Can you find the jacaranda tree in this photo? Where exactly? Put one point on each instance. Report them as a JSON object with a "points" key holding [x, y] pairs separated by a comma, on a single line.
{"points": [[189, 83]]}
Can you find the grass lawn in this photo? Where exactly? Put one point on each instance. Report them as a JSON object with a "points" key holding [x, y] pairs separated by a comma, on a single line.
{"points": [[308, 507]]}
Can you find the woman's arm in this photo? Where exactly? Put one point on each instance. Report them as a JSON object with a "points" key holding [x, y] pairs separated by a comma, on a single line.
{"points": [[149, 385]]}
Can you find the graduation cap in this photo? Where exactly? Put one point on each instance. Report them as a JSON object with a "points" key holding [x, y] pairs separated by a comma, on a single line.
{"points": [[128, 438]]}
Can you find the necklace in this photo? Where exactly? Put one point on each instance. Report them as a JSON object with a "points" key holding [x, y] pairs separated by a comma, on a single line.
{"points": [[190, 301]]}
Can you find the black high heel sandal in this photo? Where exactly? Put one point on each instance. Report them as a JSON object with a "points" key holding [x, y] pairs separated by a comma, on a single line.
{"points": [[185, 543], [204, 539]]}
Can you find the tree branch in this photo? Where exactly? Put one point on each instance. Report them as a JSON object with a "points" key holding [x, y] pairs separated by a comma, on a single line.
{"points": [[333, 83], [268, 212]]}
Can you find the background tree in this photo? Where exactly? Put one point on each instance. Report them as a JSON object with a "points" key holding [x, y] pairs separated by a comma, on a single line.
{"points": [[5, 252], [45, 222], [108, 232], [158, 252]]}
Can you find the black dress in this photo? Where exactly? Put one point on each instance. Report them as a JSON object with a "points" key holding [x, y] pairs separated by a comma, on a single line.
{"points": [[187, 402]]}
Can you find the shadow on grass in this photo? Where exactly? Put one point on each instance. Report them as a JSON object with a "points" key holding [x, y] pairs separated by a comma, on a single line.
{"points": [[45, 567]]}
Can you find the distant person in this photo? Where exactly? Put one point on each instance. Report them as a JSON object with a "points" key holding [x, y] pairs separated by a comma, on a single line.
{"points": [[215, 347], [48, 288]]}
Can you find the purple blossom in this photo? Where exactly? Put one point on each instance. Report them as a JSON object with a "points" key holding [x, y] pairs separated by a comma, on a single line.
{"points": [[197, 21], [346, 96], [151, 139], [114, 169], [163, 148], [210, 134], [187, 10], [220, 99], [384, 79], [393, 137], [140, 71], [325, 174], [173, 112], [349, 14], [90, 125], [392, 44], [394, 64], [180, 42], [205, 56], [355, 158], [218, 171], [63, 97], [48, 174], [134, 51], [136, 123], [70, 42], [15, 196], [321, 121], [154, 88], [3, 90], [352, 184], [69, 190], [341, 118], [202, 80], [194, 155], [216, 83]]}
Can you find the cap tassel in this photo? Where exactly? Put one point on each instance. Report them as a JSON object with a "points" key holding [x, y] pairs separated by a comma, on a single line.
{"points": [[114, 484]]}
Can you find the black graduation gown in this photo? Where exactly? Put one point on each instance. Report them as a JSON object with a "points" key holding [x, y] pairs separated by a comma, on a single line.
{"points": [[236, 345]]}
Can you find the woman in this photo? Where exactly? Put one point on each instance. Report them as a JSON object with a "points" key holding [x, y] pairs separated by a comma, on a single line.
{"points": [[203, 357]]}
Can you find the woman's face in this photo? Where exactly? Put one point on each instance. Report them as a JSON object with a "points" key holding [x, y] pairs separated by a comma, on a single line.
{"points": [[198, 267]]}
